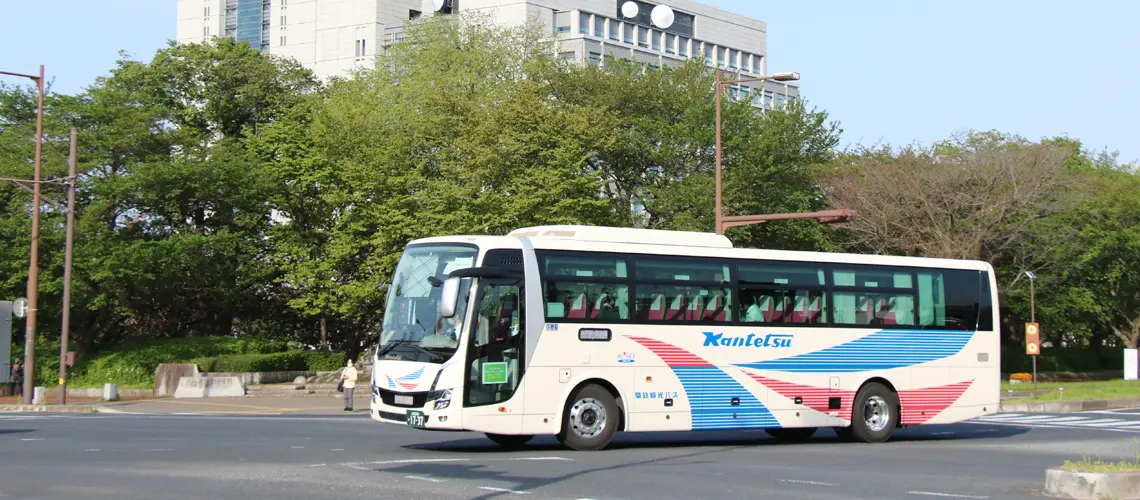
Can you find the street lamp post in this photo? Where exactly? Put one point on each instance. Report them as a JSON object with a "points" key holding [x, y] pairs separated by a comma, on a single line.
{"points": [[1033, 319], [722, 222], [33, 265]]}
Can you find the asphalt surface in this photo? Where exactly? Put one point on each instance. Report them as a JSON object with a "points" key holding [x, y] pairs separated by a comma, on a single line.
{"points": [[344, 457]]}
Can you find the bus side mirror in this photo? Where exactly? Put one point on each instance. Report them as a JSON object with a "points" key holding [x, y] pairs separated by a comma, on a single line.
{"points": [[449, 298]]}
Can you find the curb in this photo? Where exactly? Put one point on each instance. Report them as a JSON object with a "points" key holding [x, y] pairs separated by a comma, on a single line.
{"points": [[1071, 406], [90, 408], [1089, 485]]}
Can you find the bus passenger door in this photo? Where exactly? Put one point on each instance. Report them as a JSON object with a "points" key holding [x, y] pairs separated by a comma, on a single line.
{"points": [[495, 351]]}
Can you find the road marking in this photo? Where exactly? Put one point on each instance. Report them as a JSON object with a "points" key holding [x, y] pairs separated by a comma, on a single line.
{"points": [[941, 433], [802, 481], [337, 449], [948, 495], [317, 465], [504, 490], [430, 479], [32, 439], [92, 449], [545, 458], [297, 447]]}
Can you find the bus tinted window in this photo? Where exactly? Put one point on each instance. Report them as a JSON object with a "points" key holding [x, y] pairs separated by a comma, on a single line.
{"points": [[699, 270], [874, 297], [782, 293], [951, 299], [687, 303], [585, 266], [986, 316], [580, 300]]}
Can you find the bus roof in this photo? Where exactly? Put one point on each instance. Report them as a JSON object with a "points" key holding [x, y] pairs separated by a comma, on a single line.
{"points": [[681, 243], [600, 234]]}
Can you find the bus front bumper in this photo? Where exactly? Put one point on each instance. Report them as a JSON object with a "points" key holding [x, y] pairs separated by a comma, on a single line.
{"points": [[437, 414]]}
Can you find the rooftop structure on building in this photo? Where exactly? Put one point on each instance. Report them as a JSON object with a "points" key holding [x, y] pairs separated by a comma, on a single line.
{"points": [[333, 37]]}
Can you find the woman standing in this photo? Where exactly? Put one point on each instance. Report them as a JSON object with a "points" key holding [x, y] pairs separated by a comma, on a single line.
{"points": [[348, 379]]}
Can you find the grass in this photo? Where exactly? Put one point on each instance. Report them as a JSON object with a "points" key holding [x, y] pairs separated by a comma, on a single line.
{"points": [[1076, 391], [1101, 467]]}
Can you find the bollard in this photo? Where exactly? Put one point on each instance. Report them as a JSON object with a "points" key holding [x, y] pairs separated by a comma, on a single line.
{"points": [[110, 392], [1062, 389], [39, 394]]}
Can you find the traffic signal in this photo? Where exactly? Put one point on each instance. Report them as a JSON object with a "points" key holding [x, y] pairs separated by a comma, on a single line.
{"points": [[1032, 339]]}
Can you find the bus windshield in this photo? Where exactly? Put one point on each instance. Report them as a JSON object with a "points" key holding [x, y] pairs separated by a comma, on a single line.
{"points": [[413, 329]]}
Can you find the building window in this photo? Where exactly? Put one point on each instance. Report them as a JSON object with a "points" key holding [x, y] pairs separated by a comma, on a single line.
{"points": [[682, 22], [599, 27], [683, 46], [282, 20], [628, 33], [568, 56], [643, 37], [655, 39], [615, 27], [414, 14], [583, 23], [561, 22], [595, 58], [282, 40], [670, 43]]}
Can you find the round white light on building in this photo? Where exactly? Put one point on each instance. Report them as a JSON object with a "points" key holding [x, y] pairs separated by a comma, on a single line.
{"points": [[437, 4], [427, 7], [662, 16], [629, 9]]}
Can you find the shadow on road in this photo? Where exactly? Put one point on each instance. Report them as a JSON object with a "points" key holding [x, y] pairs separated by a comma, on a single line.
{"points": [[649, 440], [16, 431]]}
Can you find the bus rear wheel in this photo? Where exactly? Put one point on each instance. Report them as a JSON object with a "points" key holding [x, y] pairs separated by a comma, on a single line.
{"points": [[509, 442], [791, 434], [875, 415], [589, 420]]}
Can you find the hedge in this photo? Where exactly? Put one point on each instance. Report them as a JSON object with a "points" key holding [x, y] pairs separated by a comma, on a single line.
{"points": [[132, 364], [1059, 359], [277, 362]]}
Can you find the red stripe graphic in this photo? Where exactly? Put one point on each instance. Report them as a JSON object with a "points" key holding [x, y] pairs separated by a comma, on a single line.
{"points": [[672, 355], [920, 405], [815, 398]]}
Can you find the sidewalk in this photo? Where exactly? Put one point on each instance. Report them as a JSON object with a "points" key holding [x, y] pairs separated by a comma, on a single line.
{"points": [[248, 405]]}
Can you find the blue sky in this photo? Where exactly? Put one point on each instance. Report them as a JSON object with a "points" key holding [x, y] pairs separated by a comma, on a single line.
{"points": [[890, 71]]}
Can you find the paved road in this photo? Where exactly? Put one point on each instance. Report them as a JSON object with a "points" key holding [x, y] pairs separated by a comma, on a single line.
{"points": [[349, 456]]}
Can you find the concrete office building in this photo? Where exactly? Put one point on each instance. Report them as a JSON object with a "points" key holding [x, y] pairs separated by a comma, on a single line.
{"points": [[334, 36]]}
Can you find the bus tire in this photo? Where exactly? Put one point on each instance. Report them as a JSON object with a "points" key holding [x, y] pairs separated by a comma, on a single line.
{"points": [[792, 434], [875, 414], [590, 419], [509, 442]]}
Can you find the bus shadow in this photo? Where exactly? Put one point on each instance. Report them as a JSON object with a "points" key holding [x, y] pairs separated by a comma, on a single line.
{"points": [[690, 439]]}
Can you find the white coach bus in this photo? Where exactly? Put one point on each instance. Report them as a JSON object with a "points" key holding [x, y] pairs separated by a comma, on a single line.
{"points": [[580, 332]]}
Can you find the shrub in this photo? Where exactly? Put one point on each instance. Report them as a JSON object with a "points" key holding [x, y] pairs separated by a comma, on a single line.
{"points": [[275, 362], [1021, 377]]}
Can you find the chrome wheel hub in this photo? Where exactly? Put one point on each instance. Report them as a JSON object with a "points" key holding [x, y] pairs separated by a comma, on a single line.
{"points": [[588, 417], [876, 414]]}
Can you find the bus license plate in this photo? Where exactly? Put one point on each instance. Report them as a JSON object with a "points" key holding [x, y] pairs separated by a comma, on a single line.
{"points": [[404, 400], [416, 419]]}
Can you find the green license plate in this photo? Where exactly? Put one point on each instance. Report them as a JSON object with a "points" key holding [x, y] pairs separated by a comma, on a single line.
{"points": [[416, 419]]}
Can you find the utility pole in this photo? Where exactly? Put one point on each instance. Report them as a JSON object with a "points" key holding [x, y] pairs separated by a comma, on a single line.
{"points": [[33, 264], [71, 179]]}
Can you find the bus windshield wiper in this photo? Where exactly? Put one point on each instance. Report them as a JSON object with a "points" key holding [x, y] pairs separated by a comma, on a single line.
{"points": [[412, 343]]}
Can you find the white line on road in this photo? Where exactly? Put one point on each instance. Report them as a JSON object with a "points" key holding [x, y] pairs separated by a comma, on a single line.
{"points": [[431, 479], [802, 481], [337, 449], [941, 433], [32, 439], [545, 458], [948, 495], [297, 447], [504, 490], [92, 449], [317, 465]]}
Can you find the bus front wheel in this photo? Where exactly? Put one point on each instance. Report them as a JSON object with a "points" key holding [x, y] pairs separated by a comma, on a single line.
{"points": [[875, 414], [508, 441], [590, 419]]}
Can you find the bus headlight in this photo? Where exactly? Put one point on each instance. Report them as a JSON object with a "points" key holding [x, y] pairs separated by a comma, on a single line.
{"points": [[442, 398]]}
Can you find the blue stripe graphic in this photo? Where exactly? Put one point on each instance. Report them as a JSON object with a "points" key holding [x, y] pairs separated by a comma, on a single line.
{"points": [[882, 350], [710, 392], [412, 376]]}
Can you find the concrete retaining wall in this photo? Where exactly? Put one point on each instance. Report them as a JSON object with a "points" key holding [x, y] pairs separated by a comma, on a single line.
{"points": [[1090, 486], [1071, 406], [167, 375], [97, 392], [258, 378], [209, 387]]}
